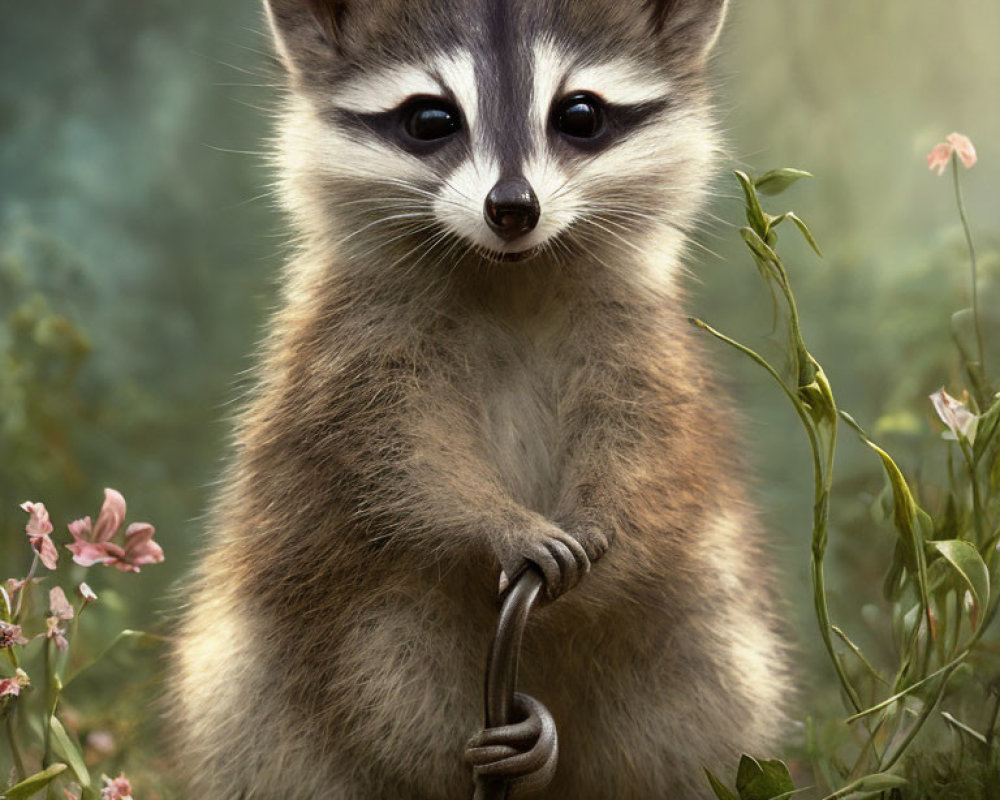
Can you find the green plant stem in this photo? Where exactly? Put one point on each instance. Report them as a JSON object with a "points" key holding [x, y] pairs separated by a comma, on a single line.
{"points": [[16, 619], [15, 747], [49, 668], [822, 479], [975, 271], [924, 716], [992, 729]]}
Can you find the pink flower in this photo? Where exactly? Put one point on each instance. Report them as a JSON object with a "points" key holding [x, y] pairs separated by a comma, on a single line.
{"points": [[92, 541], [965, 149], [11, 687], [940, 156], [10, 635], [55, 633], [39, 528], [59, 606], [961, 422], [139, 548], [116, 788], [88, 594]]}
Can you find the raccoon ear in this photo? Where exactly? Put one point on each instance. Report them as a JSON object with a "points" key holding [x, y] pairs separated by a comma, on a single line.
{"points": [[305, 27], [689, 25]]}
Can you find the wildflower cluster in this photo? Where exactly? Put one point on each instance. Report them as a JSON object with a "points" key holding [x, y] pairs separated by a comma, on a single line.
{"points": [[54, 760], [940, 584]]}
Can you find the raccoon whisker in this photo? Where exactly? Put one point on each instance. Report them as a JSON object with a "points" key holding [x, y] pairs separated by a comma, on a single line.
{"points": [[407, 232], [381, 200], [405, 185], [611, 218], [420, 192], [270, 193], [381, 221], [254, 153], [406, 255], [243, 70], [591, 220]]}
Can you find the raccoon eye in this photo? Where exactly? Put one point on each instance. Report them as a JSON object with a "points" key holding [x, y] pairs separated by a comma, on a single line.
{"points": [[427, 119], [579, 115]]}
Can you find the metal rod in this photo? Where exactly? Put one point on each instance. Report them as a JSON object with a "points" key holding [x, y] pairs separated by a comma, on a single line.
{"points": [[501, 668]]}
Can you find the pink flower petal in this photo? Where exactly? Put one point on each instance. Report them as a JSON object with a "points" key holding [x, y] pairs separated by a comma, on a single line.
{"points": [[82, 529], [54, 632], [11, 687], [87, 554], [47, 552], [38, 529], [960, 421], [965, 149], [139, 545], [39, 524], [10, 635], [938, 158], [116, 789], [59, 606], [111, 517]]}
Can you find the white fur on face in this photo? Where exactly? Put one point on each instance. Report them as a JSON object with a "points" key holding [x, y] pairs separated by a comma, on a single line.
{"points": [[587, 190], [619, 82], [386, 89]]}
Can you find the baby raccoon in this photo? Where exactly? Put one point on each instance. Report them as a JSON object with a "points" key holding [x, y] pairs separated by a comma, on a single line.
{"points": [[481, 364]]}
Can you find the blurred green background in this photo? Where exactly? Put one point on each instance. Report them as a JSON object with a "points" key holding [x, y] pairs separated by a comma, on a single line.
{"points": [[139, 252]]}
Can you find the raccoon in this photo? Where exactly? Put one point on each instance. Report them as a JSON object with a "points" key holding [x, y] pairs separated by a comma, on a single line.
{"points": [[481, 365]]}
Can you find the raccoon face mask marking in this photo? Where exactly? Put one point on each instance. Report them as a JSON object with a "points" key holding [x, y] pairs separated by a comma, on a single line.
{"points": [[591, 113]]}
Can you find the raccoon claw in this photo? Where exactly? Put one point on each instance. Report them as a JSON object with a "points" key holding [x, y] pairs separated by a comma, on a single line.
{"points": [[560, 558], [524, 754]]}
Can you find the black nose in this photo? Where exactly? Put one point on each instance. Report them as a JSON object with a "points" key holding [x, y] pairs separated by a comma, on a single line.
{"points": [[512, 208]]}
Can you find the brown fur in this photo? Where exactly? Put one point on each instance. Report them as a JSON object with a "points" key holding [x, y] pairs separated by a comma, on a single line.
{"points": [[410, 432]]}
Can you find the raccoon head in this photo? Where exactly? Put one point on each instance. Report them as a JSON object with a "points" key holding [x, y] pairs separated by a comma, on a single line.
{"points": [[496, 129]]}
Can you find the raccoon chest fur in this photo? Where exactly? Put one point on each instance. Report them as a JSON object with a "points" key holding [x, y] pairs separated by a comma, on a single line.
{"points": [[521, 374], [519, 424]]}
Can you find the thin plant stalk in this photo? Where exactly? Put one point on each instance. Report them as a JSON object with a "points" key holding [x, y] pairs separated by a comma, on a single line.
{"points": [[822, 485], [15, 747], [975, 271], [24, 590]]}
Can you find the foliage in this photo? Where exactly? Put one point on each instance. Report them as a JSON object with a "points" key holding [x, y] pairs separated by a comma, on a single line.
{"points": [[135, 250], [44, 653], [938, 584]]}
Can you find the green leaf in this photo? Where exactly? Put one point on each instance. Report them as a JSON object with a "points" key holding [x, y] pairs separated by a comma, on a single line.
{"points": [[139, 637], [777, 180], [875, 784], [762, 780], [719, 788], [806, 233], [64, 745], [913, 526], [815, 392], [958, 725], [760, 248], [986, 432], [755, 214], [31, 786], [965, 558]]}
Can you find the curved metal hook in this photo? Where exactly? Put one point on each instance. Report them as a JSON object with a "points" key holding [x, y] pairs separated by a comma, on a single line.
{"points": [[501, 668]]}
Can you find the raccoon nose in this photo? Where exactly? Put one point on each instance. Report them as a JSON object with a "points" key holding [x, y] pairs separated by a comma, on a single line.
{"points": [[512, 208]]}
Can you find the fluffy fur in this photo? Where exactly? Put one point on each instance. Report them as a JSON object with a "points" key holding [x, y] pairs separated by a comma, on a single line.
{"points": [[426, 414]]}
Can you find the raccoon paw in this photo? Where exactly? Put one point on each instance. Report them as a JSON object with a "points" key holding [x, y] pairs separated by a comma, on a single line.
{"points": [[561, 558], [593, 539], [524, 754]]}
